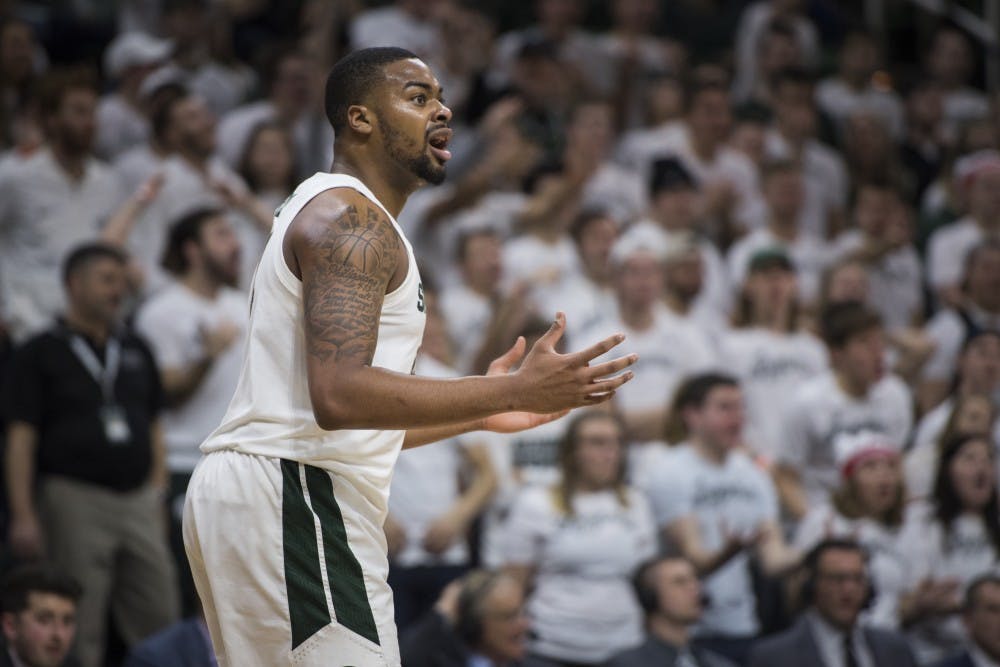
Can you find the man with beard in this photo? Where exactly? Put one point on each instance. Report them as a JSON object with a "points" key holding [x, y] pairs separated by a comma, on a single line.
{"points": [[283, 522], [196, 327], [50, 201], [82, 403]]}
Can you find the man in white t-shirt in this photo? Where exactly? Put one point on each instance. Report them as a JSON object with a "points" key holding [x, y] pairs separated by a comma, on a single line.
{"points": [[195, 327], [727, 178], [468, 306], [883, 243], [858, 395], [717, 507], [978, 177], [853, 88], [51, 201], [669, 348], [785, 193], [793, 137]]}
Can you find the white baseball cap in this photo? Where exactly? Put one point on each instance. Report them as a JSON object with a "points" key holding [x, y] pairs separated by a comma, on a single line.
{"points": [[133, 49]]}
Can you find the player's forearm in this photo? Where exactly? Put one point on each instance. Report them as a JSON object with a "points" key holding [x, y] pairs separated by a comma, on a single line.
{"points": [[20, 468], [369, 397], [415, 437]]}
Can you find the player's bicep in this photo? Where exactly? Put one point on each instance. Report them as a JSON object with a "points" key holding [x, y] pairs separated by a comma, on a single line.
{"points": [[346, 266]]}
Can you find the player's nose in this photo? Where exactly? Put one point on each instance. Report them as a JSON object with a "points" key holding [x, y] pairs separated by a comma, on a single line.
{"points": [[443, 115]]}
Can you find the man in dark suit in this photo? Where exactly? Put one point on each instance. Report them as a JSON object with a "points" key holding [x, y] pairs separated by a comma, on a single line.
{"points": [[981, 615], [828, 634], [183, 644], [38, 606], [670, 593]]}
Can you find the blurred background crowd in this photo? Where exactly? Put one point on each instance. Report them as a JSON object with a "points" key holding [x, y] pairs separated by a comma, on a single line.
{"points": [[790, 207]]}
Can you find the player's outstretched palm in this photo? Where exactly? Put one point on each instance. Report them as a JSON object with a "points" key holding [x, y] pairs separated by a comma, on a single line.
{"points": [[555, 382]]}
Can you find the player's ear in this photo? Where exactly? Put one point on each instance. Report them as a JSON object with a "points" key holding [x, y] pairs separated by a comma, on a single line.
{"points": [[359, 118]]}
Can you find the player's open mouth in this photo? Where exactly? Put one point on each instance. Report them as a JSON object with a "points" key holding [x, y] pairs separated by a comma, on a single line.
{"points": [[438, 140]]}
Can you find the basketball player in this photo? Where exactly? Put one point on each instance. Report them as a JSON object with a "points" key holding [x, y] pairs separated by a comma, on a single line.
{"points": [[283, 518]]}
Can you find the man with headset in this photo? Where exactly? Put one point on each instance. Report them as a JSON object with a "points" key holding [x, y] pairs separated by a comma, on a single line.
{"points": [[834, 594], [670, 593], [478, 621]]}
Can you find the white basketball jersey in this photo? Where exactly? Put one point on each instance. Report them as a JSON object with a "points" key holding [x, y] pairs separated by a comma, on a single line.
{"points": [[271, 413]]}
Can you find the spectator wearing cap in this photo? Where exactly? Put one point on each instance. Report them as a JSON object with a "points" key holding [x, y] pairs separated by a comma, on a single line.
{"points": [[883, 241], [868, 506], [82, 401], [675, 207], [684, 285], [669, 348], [977, 176], [38, 611], [978, 309], [784, 192], [950, 539], [793, 137], [51, 201], [719, 509], [730, 191], [671, 595], [832, 631], [858, 394], [768, 349], [981, 618], [972, 406], [292, 101], [121, 120]]}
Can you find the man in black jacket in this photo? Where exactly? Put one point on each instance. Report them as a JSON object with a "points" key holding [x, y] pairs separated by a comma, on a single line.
{"points": [[981, 615]]}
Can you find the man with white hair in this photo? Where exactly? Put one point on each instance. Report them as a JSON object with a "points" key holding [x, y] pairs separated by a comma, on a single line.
{"points": [[978, 179], [669, 348]]}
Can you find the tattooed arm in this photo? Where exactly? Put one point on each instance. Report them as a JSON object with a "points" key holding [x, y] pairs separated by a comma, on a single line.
{"points": [[348, 256]]}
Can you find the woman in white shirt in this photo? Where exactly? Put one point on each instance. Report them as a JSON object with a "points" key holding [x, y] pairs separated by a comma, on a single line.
{"points": [[579, 542], [868, 507], [949, 541]]}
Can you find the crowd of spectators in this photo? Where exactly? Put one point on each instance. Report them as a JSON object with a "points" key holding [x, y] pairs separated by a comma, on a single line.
{"points": [[794, 220]]}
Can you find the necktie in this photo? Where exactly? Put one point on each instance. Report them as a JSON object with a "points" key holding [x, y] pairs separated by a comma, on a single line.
{"points": [[850, 657]]}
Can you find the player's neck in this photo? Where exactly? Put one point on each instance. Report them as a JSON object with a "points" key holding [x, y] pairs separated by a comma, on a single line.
{"points": [[391, 189]]}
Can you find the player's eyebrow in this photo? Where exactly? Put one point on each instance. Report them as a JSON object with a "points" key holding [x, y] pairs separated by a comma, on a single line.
{"points": [[426, 86]]}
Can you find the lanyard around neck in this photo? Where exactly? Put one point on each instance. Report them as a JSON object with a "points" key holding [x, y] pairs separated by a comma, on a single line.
{"points": [[104, 374]]}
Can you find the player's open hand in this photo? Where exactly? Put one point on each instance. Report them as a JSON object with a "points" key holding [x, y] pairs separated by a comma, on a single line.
{"points": [[552, 382], [513, 422]]}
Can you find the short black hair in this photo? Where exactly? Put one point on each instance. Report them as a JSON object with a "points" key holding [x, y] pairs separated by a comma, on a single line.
{"points": [[840, 322], [187, 228], [467, 235], [53, 87], [23, 580], [694, 391], [353, 77], [83, 255], [971, 598], [811, 560]]}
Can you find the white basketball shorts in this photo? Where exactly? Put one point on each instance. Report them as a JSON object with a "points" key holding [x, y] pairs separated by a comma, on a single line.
{"points": [[288, 570]]}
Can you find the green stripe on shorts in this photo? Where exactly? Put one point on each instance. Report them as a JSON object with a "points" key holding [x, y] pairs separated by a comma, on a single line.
{"points": [[343, 571], [303, 577]]}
